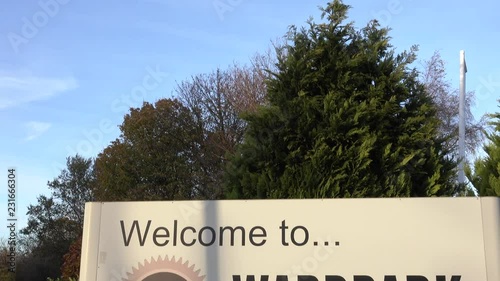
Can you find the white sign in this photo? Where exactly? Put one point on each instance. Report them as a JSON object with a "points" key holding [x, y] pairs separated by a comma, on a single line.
{"points": [[410, 239]]}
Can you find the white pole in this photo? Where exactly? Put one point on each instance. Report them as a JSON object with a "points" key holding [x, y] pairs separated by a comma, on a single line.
{"points": [[461, 124]]}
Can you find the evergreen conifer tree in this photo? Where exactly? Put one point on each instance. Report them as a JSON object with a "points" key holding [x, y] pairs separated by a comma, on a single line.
{"points": [[486, 176], [347, 117]]}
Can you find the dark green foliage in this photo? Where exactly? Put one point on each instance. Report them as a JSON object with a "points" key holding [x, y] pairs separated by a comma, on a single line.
{"points": [[5, 273], [56, 221], [51, 234], [74, 186], [347, 118], [486, 175]]}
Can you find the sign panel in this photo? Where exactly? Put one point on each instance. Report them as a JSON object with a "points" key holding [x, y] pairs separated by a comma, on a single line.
{"points": [[410, 239]]}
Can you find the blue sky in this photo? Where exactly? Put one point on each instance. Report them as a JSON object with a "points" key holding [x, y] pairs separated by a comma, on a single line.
{"points": [[69, 69]]}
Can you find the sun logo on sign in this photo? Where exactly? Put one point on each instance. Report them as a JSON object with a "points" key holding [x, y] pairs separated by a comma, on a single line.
{"points": [[167, 269]]}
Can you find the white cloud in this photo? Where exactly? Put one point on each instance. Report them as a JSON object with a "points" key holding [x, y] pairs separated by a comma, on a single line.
{"points": [[20, 89], [36, 129]]}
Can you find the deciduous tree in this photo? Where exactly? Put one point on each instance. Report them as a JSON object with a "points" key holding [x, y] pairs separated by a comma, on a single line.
{"points": [[155, 158], [56, 221], [218, 100], [446, 99], [5, 267]]}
